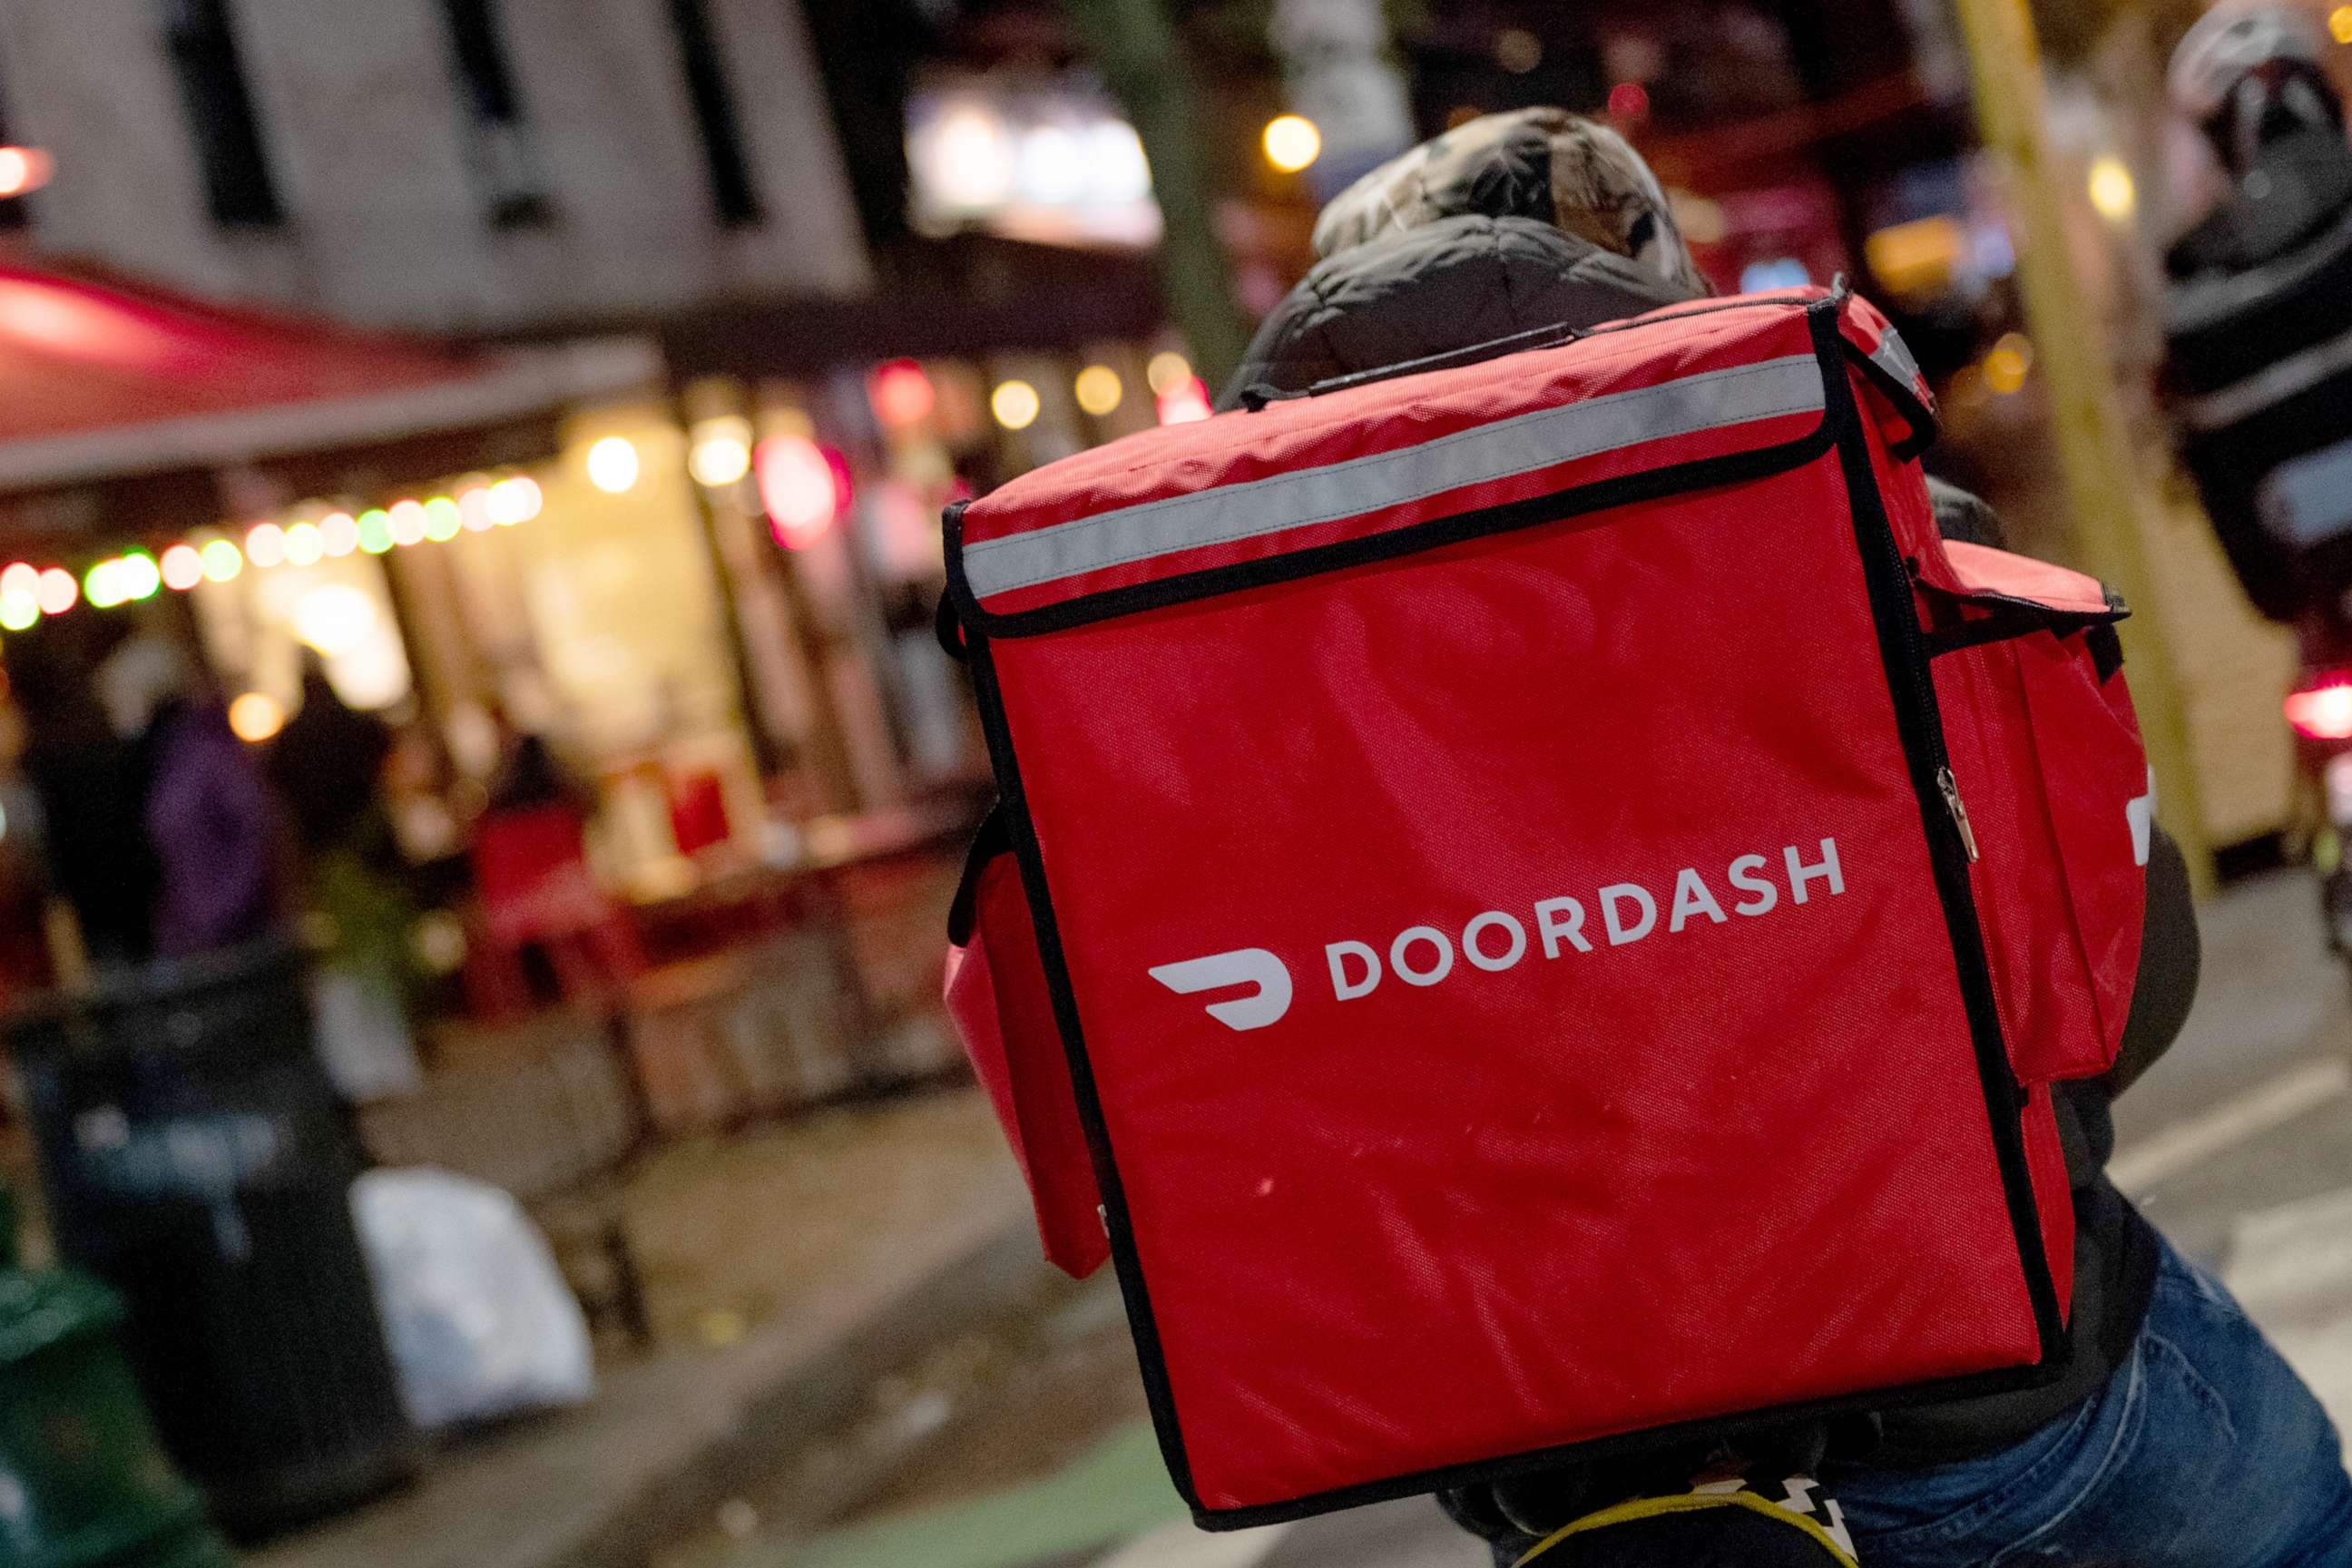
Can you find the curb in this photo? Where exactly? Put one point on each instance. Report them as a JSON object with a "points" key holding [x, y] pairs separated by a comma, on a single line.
{"points": [[648, 1462]]}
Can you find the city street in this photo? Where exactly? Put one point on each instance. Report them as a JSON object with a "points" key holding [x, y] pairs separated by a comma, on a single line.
{"points": [[1035, 1449]]}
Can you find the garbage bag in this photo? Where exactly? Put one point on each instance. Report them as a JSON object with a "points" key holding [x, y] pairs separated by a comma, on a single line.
{"points": [[480, 1322]]}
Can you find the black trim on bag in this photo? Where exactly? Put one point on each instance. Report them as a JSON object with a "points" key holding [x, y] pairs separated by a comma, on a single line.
{"points": [[1903, 648], [1012, 804], [1904, 653], [993, 838]]}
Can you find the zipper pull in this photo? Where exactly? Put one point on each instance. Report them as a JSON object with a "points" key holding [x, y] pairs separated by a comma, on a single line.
{"points": [[1953, 803]]}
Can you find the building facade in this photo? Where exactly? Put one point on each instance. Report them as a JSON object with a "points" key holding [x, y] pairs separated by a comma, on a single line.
{"points": [[449, 166]]}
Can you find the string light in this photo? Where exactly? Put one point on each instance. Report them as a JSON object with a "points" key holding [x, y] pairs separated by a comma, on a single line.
{"points": [[98, 585], [57, 592], [182, 568], [474, 506], [223, 560], [407, 521], [137, 577], [264, 544], [443, 521], [18, 609], [340, 532], [304, 544], [514, 500], [21, 577]]}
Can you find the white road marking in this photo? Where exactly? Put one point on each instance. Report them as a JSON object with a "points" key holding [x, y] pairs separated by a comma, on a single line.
{"points": [[2155, 1159], [2290, 1267], [1183, 1544]]}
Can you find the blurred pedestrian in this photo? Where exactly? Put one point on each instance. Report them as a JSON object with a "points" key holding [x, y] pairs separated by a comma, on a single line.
{"points": [[97, 851], [216, 830], [2176, 1437], [329, 764]]}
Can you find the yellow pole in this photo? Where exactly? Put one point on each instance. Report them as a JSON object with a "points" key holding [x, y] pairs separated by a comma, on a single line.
{"points": [[2104, 493]]}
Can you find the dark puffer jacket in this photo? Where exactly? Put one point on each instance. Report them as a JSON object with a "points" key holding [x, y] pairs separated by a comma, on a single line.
{"points": [[1450, 285]]}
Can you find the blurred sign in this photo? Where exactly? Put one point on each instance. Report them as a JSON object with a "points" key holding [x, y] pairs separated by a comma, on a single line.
{"points": [[1052, 163]]}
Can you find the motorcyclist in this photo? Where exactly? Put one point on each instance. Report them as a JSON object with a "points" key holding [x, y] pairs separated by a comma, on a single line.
{"points": [[1514, 223]]}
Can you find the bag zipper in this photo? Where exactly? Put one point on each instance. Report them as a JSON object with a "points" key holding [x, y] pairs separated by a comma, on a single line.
{"points": [[1958, 809]]}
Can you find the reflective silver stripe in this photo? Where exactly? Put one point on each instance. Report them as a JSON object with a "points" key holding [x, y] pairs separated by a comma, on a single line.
{"points": [[1893, 355], [1708, 400], [2274, 382]]}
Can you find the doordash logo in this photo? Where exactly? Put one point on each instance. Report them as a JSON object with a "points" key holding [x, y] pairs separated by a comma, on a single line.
{"points": [[1497, 940]]}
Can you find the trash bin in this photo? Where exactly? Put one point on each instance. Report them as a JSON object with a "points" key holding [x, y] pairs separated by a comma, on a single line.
{"points": [[196, 1160], [82, 1482]]}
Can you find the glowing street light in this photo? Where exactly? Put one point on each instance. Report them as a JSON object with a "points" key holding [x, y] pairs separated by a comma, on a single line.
{"points": [[1292, 142]]}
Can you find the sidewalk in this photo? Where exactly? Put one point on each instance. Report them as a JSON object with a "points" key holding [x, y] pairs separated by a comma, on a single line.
{"points": [[787, 1268]]}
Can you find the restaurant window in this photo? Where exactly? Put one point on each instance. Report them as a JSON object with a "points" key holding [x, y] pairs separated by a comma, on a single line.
{"points": [[500, 150], [239, 188], [714, 115]]}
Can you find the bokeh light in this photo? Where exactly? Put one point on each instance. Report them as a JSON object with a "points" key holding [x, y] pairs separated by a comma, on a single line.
{"points": [[901, 392], [1291, 143], [1098, 389], [304, 544], [515, 500], [1167, 371], [1014, 404], [613, 464], [137, 577], [223, 560], [443, 521], [406, 521], [256, 715], [18, 609], [264, 544], [182, 568], [797, 488], [57, 592], [340, 532]]}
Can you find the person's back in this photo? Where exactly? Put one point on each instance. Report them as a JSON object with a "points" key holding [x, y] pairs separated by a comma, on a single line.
{"points": [[1522, 222]]}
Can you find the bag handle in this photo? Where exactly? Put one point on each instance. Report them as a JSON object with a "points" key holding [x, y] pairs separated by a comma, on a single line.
{"points": [[1257, 395]]}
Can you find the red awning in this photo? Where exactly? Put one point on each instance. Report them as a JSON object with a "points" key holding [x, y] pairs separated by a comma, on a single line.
{"points": [[103, 379]]}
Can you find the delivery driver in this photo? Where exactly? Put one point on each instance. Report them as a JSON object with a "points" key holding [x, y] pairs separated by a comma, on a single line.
{"points": [[2177, 1439]]}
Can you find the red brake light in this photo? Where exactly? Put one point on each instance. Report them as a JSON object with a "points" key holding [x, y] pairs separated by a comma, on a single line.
{"points": [[2323, 712]]}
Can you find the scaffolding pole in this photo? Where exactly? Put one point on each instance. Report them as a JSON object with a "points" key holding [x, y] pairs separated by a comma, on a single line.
{"points": [[2105, 498]]}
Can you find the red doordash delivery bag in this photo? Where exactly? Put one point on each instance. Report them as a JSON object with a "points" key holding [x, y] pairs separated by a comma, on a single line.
{"points": [[1539, 902]]}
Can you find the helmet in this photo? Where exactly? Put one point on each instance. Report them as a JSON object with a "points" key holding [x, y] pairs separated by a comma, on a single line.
{"points": [[2246, 74]]}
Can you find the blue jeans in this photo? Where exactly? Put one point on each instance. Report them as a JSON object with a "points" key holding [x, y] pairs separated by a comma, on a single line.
{"points": [[2204, 1450]]}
